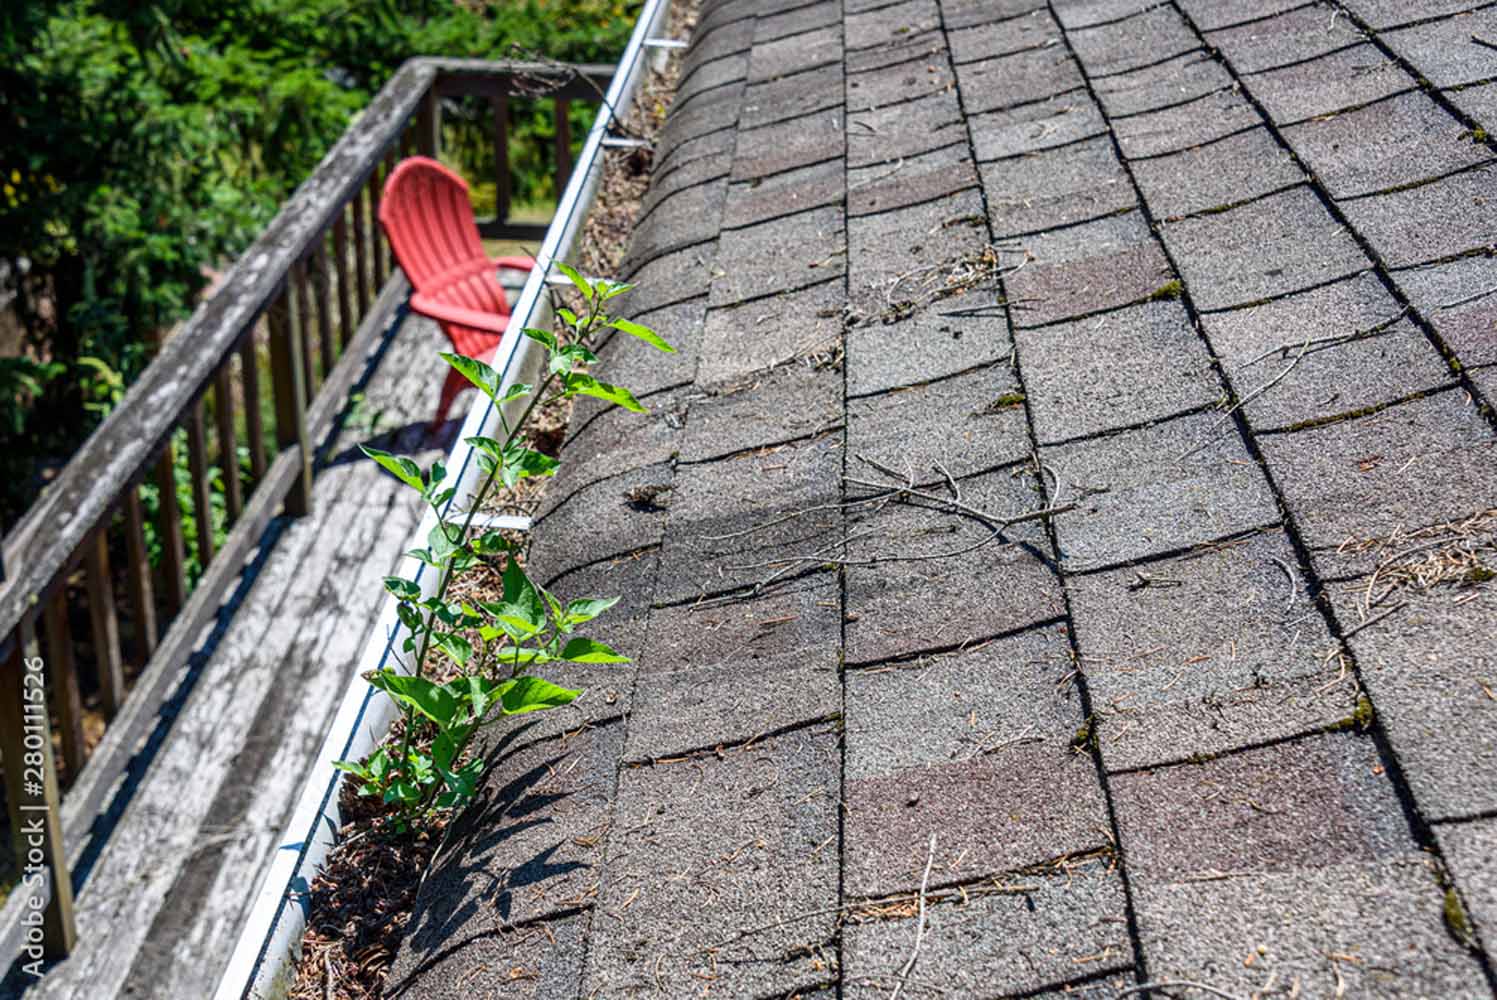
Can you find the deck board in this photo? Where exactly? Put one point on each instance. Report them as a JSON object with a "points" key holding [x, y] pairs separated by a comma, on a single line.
{"points": [[219, 777]]}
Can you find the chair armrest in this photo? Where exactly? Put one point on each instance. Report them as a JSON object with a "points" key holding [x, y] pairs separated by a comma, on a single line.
{"points": [[517, 263], [445, 313]]}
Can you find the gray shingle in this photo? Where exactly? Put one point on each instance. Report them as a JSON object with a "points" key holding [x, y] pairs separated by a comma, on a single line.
{"points": [[1047, 124], [1442, 51], [1381, 14], [1437, 292], [743, 340], [791, 401], [548, 956], [908, 607], [787, 193], [780, 256], [1480, 102], [1138, 41], [882, 134], [1017, 807], [1022, 932], [1021, 78], [1207, 177], [1135, 365], [705, 848], [1259, 344], [792, 96], [1097, 265], [795, 54], [899, 82], [1427, 669], [1080, 13], [1440, 219], [1343, 79], [729, 524], [798, 21], [928, 44], [1290, 37], [1185, 125], [705, 672], [1036, 29], [1279, 244], [1056, 187], [892, 22], [910, 180], [1139, 493], [1171, 82], [1211, 651], [1386, 913], [930, 344], [1209, 14], [1286, 807], [971, 13], [1471, 853], [1416, 463], [890, 252], [968, 423], [1391, 143], [796, 142]]}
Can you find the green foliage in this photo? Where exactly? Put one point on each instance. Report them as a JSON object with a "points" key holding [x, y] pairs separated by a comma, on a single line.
{"points": [[148, 142], [470, 663]]}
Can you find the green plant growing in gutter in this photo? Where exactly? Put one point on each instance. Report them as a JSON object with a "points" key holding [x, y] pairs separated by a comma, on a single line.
{"points": [[494, 645]]}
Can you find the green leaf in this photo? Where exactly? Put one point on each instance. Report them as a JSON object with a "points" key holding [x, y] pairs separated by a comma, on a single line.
{"points": [[514, 620], [521, 463], [432, 700], [475, 371], [580, 650], [583, 285], [589, 386], [581, 611], [516, 391], [456, 647], [609, 289], [644, 333], [532, 694], [521, 593], [406, 590], [541, 336], [399, 466]]}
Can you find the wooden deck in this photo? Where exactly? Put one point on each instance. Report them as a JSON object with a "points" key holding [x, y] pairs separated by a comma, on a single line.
{"points": [[179, 855]]}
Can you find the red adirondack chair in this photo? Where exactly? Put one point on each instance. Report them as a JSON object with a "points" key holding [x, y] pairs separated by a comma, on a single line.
{"points": [[428, 219]]}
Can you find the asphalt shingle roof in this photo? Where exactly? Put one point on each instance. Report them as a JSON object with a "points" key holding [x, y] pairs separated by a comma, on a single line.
{"points": [[1213, 280]]}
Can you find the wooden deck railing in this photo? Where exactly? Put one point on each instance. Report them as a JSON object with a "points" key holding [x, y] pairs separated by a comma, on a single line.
{"points": [[312, 294]]}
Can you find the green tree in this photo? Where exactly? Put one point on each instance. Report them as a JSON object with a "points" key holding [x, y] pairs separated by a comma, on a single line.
{"points": [[149, 142]]}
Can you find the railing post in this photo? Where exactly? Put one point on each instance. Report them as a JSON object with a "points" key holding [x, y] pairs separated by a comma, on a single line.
{"points": [[429, 124], [501, 158], [563, 146], [169, 526], [290, 400], [31, 794], [106, 626]]}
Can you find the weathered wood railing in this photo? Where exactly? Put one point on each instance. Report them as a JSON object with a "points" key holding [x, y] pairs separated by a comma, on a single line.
{"points": [[312, 294]]}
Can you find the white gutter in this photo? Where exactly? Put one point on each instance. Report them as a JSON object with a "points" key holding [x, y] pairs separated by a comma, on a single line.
{"points": [[263, 963]]}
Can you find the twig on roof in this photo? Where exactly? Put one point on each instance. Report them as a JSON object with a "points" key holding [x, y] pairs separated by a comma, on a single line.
{"points": [[1293, 580], [1469, 298], [1211, 434], [1373, 620], [1187, 984], [1334, 340], [930, 859]]}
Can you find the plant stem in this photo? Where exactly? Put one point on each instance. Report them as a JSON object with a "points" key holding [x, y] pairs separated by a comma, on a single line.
{"points": [[584, 331]]}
